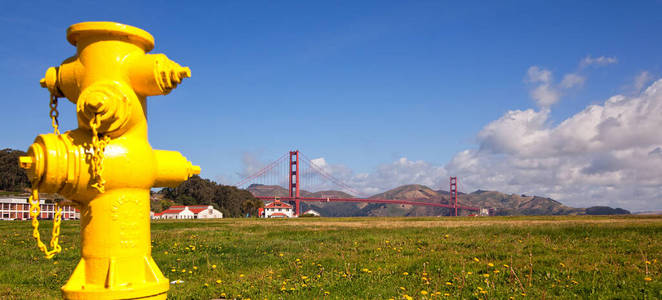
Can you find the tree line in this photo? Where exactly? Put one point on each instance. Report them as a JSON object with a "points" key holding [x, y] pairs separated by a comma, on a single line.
{"points": [[12, 177], [230, 200]]}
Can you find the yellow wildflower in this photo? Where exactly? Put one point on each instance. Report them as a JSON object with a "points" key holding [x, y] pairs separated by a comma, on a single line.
{"points": [[486, 275], [218, 281], [424, 292], [476, 259], [405, 273], [648, 279], [326, 293], [241, 275], [449, 283], [195, 268], [213, 266], [490, 265], [280, 254]]}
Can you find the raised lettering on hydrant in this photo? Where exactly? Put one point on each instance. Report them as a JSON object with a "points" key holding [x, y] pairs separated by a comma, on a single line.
{"points": [[106, 166]]}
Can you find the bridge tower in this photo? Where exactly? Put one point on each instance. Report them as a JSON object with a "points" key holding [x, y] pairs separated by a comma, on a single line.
{"points": [[294, 179], [453, 195]]}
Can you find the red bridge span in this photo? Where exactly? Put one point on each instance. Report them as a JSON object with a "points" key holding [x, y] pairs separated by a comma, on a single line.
{"points": [[298, 168]]}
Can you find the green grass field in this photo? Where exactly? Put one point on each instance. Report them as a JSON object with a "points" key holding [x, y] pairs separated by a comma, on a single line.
{"points": [[373, 258]]}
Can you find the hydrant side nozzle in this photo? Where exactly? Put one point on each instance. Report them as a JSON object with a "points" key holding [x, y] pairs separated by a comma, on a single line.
{"points": [[155, 74], [172, 168]]}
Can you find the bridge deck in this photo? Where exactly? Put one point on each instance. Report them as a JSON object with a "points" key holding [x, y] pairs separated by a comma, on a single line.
{"points": [[368, 200]]}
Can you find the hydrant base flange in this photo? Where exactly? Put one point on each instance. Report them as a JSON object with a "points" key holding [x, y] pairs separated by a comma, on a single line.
{"points": [[154, 287]]}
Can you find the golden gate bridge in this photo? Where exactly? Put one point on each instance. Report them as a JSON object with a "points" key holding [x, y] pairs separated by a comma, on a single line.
{"points": [[295, 170]]}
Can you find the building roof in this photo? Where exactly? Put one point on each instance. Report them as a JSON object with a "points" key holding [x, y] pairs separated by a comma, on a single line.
{"points": [[198, 210], [173, 210], [278, 204], [176, 209]]}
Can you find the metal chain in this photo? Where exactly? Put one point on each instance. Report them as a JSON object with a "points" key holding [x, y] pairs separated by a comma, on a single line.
{"points": [[98, 148], [35, 209], [54, 114]]}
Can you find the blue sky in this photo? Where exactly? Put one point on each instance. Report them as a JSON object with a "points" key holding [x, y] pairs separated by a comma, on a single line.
{"points": [[358, 84]]}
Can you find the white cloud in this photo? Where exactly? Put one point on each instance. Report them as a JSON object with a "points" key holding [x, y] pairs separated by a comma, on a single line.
{"points": [[545, 94], [597, 61], [571, 80], [251, 164], [641, 80], [536, 74], [608, 154]]}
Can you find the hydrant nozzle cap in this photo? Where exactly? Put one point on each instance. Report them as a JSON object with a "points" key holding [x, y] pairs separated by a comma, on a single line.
{"points": [[25, 162], [195, 170], [50, 81]]}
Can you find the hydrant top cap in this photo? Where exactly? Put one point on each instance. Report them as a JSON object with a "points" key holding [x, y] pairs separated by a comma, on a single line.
{"points": [[132, 34]]}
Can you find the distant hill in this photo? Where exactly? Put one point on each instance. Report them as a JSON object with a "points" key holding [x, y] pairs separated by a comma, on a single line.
{"points": [[649, 212], [513, 204], [504, 204]]}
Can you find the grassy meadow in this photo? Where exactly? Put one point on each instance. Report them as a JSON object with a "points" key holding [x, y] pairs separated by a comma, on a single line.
{"points": [[373, 258]]}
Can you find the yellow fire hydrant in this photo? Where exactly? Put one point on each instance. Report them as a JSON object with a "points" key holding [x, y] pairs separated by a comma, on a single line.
{"points": [[106, 166]]}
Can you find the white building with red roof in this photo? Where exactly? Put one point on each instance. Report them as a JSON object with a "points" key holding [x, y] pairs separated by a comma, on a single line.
{"points": [[189, 212], [277, 209]]}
